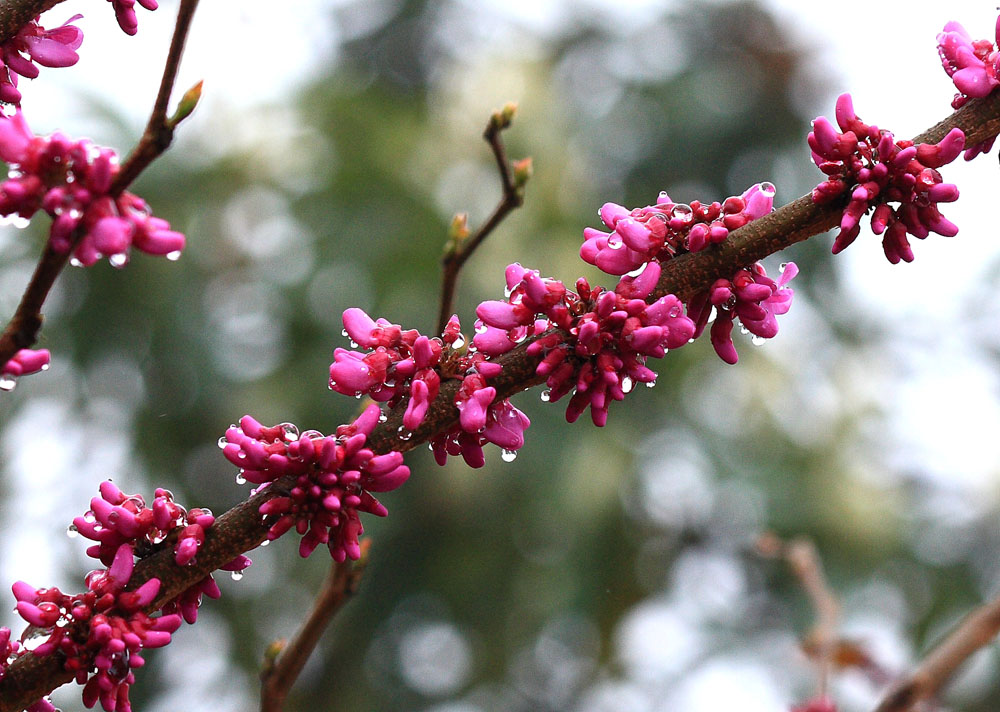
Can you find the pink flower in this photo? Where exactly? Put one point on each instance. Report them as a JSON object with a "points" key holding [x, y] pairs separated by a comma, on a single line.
{"points": [[125, 13], [334, 477], [875, 170], [70, 180], [33, 43], [972, 65]]}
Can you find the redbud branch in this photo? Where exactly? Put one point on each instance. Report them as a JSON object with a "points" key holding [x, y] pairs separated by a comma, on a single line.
{"points": [[241, 528], [460, 249], [802, 558], [341, 583], [159, 131], [976, 630], [22, 330]]}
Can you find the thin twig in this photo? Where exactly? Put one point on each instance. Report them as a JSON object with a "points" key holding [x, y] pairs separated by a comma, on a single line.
{"points": [[801, 556], [461, 246], [241, 528], [22, 330], [976, 630], [278, 677]]}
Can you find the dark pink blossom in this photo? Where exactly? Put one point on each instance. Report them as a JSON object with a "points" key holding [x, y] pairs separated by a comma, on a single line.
{"points": [[71, 180], [666, 229], [752, 297], [971, 64], [876, 171], [117, 520], [591, 342], [33, 43], [23, 363], [100, 633], [334, 477], [399, 364], [125, 13]]}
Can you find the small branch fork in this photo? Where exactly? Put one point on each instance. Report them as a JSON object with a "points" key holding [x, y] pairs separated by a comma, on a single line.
{"points": [[975, 631], [284, 662], [241, 528], [460, 246], [802, 558], [22, 330]]}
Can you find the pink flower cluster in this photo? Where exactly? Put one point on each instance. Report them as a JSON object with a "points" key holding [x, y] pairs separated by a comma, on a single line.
{"points": [[33, 43], [750, 295], [100, 633], [399, 364], [71, 180], [642, 238], [592, 342], [125, 13], [662, 231], [8, 649], [406, 365], [333, 478], [119, 521], [481, 422], [972, 65], [23, 363], [876, 170], [122, 523]]}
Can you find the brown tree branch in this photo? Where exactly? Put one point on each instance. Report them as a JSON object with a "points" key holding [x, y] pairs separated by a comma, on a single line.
{"points": [[241, 529], [802, 558], [22, 330], [975, 631], [461, 247], [341, 583]]}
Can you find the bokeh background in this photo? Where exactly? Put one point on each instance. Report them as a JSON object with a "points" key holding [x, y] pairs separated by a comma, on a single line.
{"points": [[604, 569]]}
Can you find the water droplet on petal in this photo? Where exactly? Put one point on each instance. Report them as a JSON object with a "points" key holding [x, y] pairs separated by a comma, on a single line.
{"points": [[781, 267], [768, 189], [508, 455], [265, 542], [343, 332], [174, 256], [72, 532], [650, 384], [7, 382], [382, 417], [74, 262], [545, 395], [757, 340], [459, 342], [403, 433], [682, 211], [236, 575], [627, 384], [118, 260], [291, 432], [240, 479], [222, 442]]}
